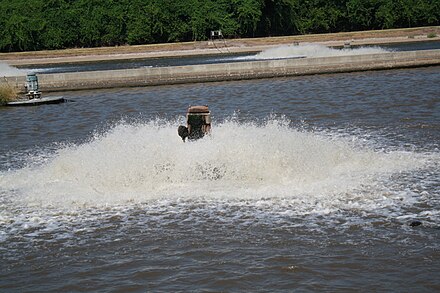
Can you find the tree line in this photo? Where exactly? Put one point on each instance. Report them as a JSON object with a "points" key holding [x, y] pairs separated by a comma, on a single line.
{"points": [[27, 25]]}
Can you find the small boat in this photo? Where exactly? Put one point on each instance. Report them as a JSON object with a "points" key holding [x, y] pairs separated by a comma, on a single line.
{"points": [[33, 96], [198, 119]]}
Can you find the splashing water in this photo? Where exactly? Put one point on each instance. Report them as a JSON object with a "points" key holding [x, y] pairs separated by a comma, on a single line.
{"points": [[311, 51], [144, 162], [7, 70]]}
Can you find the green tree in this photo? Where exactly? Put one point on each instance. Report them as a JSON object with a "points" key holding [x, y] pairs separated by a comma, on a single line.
{"points": [[21, 25], [247, 14], [279, 17], [53, 24], [361, 14], [60, 25]]}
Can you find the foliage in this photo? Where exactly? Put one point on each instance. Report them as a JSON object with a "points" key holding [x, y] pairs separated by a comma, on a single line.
{"points": [[7, 93], [55, 24]]}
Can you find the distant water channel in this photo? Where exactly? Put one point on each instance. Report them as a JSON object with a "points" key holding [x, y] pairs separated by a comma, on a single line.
{"points": [[317, 183], [194, 60]]}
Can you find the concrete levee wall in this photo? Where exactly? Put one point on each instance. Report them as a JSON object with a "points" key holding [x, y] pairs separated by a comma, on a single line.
{"points": [[231, 71]]}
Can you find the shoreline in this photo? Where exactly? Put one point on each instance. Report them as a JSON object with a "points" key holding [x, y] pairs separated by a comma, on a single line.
{"points": [[56, 82], [201, 48]]}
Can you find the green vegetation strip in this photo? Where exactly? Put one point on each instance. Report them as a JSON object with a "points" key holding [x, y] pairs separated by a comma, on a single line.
{"points": [[31, 25]]}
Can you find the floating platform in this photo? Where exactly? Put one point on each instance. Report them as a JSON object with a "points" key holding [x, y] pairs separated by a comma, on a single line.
{"points": [[37, 101]]}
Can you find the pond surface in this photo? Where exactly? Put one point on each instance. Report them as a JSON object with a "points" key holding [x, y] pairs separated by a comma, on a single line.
{"points": [[181, 61], [306, 184]]}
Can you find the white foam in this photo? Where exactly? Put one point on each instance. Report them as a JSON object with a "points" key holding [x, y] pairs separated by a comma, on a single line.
{"points": [[7, 70], [140, 163], [311, 51]]}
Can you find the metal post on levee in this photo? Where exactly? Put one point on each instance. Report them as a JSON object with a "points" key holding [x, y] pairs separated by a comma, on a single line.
{"points": [[217, 35]]}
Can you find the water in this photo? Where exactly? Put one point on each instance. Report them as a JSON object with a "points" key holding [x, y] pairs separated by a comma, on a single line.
{"points": [[413, 46], [307, 184], [304, 50], [133, 63], [6, 70], [313, 51]]}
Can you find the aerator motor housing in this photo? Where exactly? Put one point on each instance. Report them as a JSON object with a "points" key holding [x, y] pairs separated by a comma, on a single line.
{"points": [[198, 119], [32, 87]]}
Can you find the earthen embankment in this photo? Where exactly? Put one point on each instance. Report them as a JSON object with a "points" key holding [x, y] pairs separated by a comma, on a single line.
{"points": [[229, 71]]}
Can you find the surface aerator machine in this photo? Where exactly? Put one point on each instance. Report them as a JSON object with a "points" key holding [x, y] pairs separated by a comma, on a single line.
{"points": [[198, 119], [32, 87]]}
